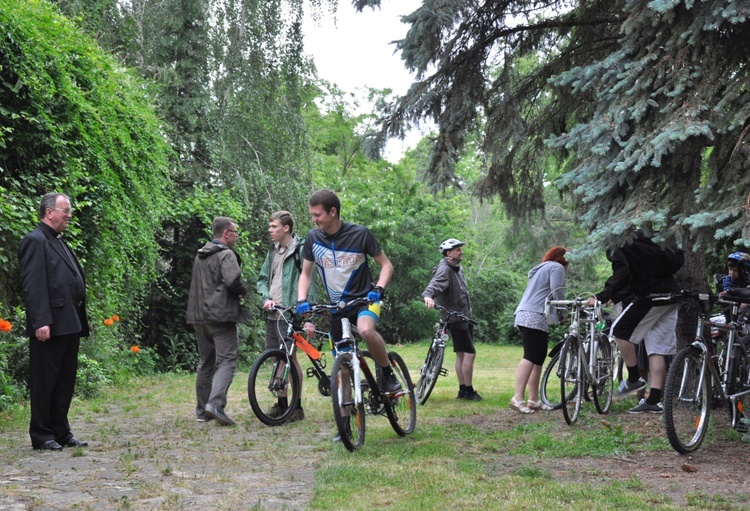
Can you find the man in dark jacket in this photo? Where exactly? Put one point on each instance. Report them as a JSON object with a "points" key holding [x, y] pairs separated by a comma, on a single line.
{"points": [[54, 286], [214, 310], [644, 268]]}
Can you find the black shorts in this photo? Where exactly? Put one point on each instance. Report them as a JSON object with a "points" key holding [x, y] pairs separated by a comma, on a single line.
{"points": [[352, 314], [462, 333]]}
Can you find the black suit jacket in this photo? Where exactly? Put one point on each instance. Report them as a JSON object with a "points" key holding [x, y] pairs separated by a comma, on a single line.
{"points": [[55, 294]]}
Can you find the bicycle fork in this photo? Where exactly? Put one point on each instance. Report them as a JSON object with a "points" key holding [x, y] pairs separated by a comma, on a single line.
{"points": [[345, 345]]}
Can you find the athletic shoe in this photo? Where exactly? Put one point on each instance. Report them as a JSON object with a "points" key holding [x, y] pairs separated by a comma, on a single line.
{"points": [[461, 395], [644, 407], [627, 388], [276, 411], [297, 415], [391, 384], [473, 396]]}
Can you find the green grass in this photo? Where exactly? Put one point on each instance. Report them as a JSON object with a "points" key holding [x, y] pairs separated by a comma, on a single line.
{"points": [[463, 455]]}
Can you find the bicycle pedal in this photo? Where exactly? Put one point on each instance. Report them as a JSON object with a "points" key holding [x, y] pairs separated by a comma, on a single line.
{"points": [[443, 371], [310, 372]]}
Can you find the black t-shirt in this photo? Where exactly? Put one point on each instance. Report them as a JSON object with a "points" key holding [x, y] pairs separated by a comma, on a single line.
{"points": [[342, 260]]}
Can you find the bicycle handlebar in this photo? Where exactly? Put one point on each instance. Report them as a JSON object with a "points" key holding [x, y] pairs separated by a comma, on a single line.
{"points": [[455, 314], [732, 296]]}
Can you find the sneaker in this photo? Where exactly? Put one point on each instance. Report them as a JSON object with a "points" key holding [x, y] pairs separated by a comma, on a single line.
{"points": [[391, 384], [461, 395], [627, 388], [644, 407], [276, 411], [473, 396], [219, 415], [297, 415]]}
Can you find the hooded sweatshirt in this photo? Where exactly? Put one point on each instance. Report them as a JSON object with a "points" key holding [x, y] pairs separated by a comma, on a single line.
{"points": [[544, 278], [216, 286]]}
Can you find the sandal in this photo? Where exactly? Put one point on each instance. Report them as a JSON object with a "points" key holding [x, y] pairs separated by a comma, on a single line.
{"points": [[520, 406], [540, 405]]}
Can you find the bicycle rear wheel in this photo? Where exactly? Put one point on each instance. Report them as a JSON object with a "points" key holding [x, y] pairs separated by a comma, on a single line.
{"points": [[570, 380], [603, 375], [401, 406], [549, 385], [429, 373], [349, 415], [738, 381], [687, 400], [271, 378]]}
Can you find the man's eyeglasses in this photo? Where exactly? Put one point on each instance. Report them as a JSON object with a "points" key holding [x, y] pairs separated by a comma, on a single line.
{"points": [[67, 211], [232, 230]]}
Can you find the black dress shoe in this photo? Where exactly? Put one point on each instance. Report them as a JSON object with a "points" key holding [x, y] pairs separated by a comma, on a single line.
{"points": [[49, 445], [219, 415], [74, 442]]}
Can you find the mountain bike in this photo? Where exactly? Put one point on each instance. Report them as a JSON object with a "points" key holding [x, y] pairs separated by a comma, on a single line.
{"points": [[711, 371], [355, 390], [433, 363], [585, 359], [274, 375]]}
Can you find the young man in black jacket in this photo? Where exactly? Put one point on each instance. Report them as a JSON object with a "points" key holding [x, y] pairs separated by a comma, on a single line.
{"points": [[645, 268]]}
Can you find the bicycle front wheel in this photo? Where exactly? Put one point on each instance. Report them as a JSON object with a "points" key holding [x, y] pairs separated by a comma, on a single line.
{"points": [[401, 407], [429, 373], [571, 385], [549, 385], [603, 375], [687, 400], [272, 378], [348, 414]]}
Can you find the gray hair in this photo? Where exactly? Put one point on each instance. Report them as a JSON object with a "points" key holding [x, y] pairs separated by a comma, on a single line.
{"points": [[49, 201]]}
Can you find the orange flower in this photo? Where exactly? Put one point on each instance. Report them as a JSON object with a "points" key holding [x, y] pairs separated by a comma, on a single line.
{"points": [[109, 322], [115, 317], [135, 349], [5, 325]]}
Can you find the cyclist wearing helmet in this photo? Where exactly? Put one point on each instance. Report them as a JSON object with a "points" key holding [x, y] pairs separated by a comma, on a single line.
{"points": [[448, 286], [738, 268]]}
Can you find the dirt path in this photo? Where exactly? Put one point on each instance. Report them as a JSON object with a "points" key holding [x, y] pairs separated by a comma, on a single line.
{"points": [[162, 459]]}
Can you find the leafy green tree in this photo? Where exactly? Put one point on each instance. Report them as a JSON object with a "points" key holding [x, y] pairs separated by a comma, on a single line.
{"points": [[73, 120]]}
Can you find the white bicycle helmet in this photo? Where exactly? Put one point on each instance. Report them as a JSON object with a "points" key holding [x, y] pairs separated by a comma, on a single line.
{"points": [[450, 244]]}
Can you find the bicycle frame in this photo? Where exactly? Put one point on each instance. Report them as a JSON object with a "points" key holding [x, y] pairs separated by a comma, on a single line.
{"points": [[300, 342], [584, 319]]}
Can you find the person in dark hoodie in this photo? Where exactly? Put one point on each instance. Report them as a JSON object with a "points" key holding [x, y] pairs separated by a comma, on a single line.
{"points": [[214, 310], [644, 268], [545, 279]]}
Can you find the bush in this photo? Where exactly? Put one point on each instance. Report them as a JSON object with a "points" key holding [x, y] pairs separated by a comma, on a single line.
{"points": [[92, 376]]}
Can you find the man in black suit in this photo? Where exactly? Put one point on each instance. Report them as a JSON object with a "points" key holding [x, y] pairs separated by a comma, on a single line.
{"points": [[54, 287]]}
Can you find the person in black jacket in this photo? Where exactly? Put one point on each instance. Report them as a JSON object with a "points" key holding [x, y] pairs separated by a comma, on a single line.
{"points": [[644, 268], [54, 287]]}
